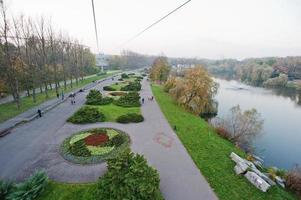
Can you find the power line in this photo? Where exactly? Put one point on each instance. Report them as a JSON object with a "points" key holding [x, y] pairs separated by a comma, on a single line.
{"points": [[156, 22], [95, 26]]}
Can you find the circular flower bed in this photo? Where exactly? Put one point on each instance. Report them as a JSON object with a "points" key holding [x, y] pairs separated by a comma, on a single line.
{"points": [[94, 145]]}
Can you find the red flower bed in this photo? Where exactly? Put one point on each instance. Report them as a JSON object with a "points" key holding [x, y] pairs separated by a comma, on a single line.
{"points": [[96, 139]]}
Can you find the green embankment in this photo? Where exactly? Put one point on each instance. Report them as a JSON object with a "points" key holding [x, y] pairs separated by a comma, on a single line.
{"points": [[9, 110], [211, 154]]}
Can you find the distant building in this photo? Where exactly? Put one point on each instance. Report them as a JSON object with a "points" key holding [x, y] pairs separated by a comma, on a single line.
{"points": [[102, 61]]}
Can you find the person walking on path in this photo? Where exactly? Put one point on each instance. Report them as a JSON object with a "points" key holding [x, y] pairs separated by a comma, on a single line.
{"points": [[142, 100], [39, 113], [57, 95]]}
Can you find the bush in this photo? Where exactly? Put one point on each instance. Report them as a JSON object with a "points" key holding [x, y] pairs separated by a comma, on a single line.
{"points": [[117, 140], [132, 86], [129, 177], [223, 133], [124, 76], [87, 114], [132, 99], [120, 79], [6, 188], [94, 97], [130, 117], [31, 188], [293, 180], [108, 88]]}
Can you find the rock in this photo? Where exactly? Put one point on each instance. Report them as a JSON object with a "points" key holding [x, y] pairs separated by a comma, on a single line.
{"points": [[258, 164], [241, 168], [257, 181], [280, 181], [236, 158], [257, 158]]}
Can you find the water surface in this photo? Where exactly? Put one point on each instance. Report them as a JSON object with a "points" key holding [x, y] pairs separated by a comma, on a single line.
{"points": [[280, 142]]}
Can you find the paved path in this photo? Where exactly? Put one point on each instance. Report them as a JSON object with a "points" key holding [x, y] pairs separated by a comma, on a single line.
{"points": [[35, 145]]}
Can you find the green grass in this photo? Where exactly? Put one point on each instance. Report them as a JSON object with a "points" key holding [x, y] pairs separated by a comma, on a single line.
{"points": [[64, 191], [211, 154], [118, 86], [112, 111], [9, 110]]}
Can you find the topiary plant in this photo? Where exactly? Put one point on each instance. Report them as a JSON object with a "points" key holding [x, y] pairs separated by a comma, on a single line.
{"points": [[129, 177], [130, 117], [87, 114], [94, 97], [132, 99]]}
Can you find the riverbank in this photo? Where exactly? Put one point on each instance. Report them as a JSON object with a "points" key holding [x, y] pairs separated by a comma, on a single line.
{"points": [[211, 154]]}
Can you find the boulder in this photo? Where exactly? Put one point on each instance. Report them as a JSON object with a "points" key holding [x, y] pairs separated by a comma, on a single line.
{"points": [[236, 158], [241, 168], [257, 181], [280, 181]]}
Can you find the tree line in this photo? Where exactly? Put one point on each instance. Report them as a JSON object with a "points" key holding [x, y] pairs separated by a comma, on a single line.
{"points": [[34, 56]]}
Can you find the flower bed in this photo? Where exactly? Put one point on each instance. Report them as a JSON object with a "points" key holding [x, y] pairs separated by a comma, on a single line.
{"points": [[94, 145]]}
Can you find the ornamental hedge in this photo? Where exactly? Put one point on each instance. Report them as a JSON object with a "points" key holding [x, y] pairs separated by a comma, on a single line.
{"points": [[132, 86], [132, 99], [130, 117], [87, 114], [95, 98], [108, 88]]}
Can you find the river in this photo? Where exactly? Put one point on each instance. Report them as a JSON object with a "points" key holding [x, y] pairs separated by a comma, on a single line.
{"points": [[280, 142]]}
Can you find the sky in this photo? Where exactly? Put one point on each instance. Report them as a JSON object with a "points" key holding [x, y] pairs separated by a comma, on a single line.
{"points": [[214, 29]]}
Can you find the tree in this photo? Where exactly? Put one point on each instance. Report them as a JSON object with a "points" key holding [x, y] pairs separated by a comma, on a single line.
{"points": [[279, 81], [195, 91], [242, 126], [160, 69]]}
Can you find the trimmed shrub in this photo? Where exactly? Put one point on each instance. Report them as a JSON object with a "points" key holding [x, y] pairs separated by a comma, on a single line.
{"points": [[94, 97], [31, 188], [129, 100], [120, 79], [108, 88], [129, 177], [87, 114], [132, 86], [130, 117], [6, 187], [116, 141], [293, 180], [124, 76]]}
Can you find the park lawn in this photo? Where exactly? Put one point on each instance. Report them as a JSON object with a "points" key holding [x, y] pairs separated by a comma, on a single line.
{"points": [[112, 111], [211, 153], [66, 191], [9, 110], [119, 85]]}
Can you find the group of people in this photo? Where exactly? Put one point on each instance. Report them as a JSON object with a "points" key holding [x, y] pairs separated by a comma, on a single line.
{"points": [[149, 98]]}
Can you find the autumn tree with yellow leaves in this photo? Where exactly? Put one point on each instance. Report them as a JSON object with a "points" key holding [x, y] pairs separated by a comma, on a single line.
{"points": [[195, 91], [160, 69]]}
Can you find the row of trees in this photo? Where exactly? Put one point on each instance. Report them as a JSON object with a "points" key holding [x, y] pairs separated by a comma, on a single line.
{"points": [[33, 55]]}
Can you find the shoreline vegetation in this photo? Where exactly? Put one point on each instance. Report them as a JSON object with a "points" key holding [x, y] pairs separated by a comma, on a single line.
{"points": [[211, 153]]}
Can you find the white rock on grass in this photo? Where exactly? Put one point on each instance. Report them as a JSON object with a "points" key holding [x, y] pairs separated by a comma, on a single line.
{"points": [[257, 181], [280, 181], [241, 168], [236, 158]]}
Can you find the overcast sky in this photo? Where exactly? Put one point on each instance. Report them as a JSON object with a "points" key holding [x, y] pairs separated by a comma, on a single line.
{"points": [[203, 28]]}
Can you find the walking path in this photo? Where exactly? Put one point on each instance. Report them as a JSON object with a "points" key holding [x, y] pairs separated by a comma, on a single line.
{"points": [[35, 145]]}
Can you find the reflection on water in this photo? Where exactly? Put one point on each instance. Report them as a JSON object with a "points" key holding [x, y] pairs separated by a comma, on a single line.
{"points": [[280, 143]]}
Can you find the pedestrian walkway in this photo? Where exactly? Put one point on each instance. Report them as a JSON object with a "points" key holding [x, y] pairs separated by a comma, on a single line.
{"points": [[154, 138]]}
